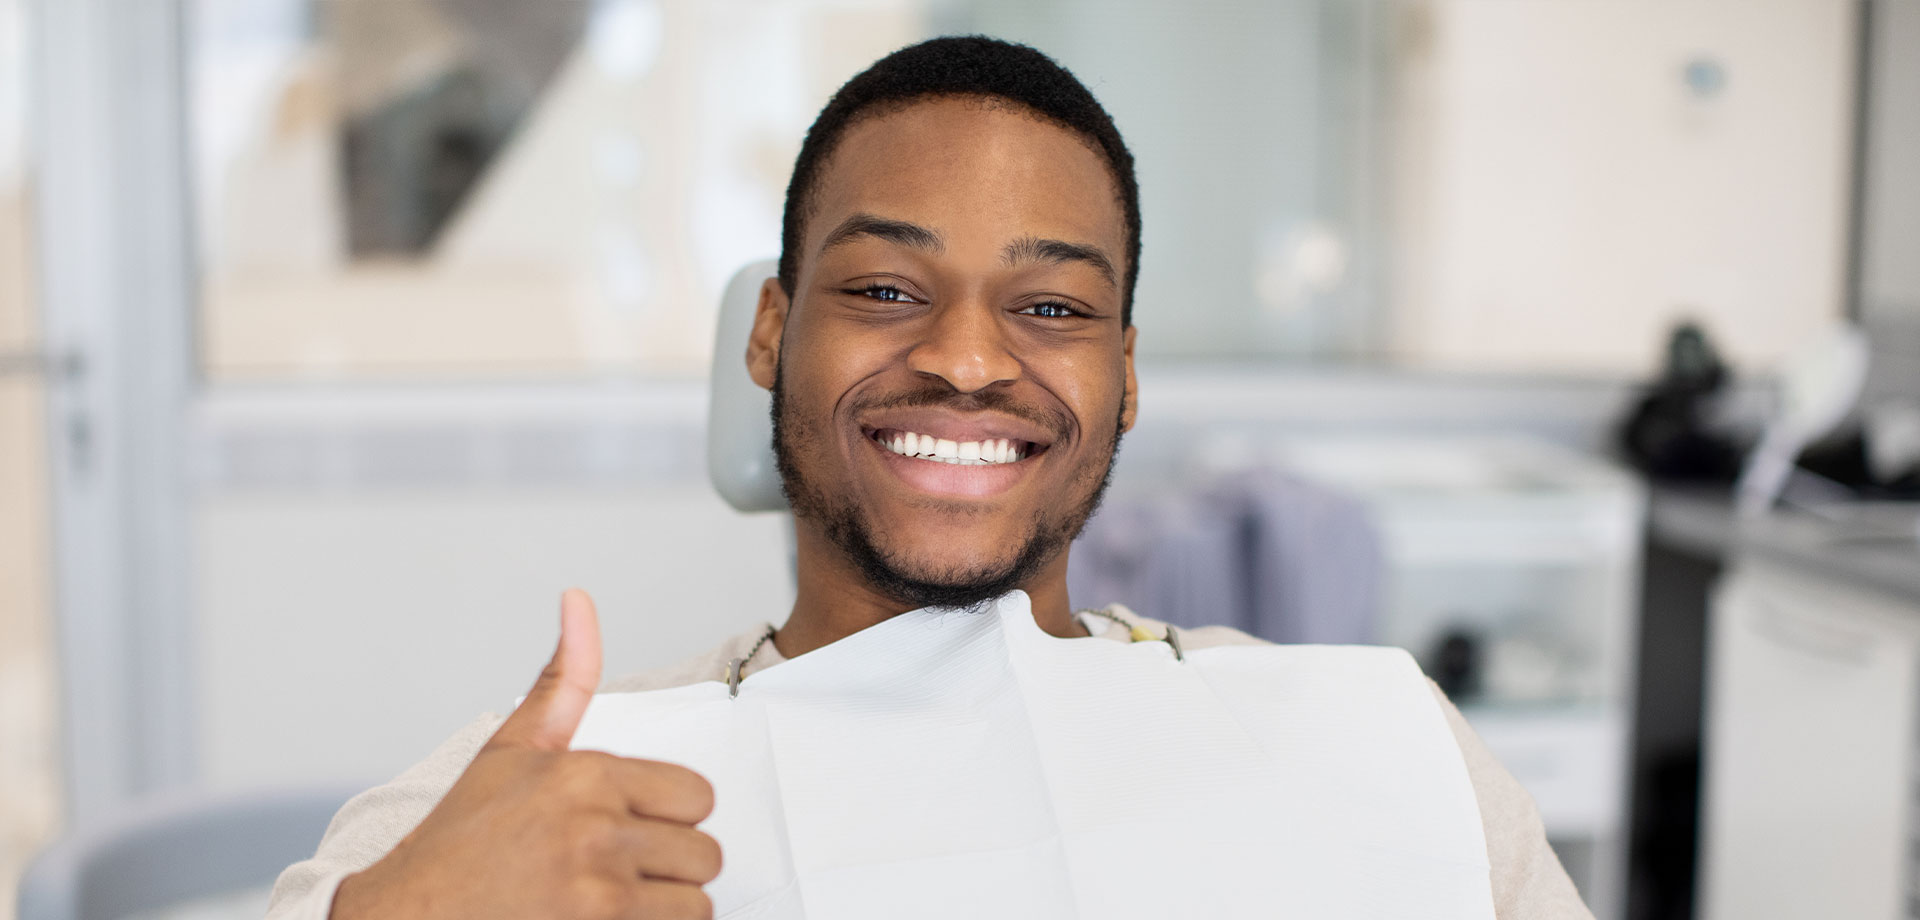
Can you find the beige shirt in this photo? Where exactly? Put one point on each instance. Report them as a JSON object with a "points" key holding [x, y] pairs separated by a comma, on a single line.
{"points": [[1528, 880]]}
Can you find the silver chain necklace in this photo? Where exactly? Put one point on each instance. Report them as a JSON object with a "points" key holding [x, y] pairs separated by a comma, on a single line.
{"points": [[1134, 631], [735, 666]]}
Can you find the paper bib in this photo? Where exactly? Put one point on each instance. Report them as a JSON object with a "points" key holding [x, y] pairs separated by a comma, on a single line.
{"points": [[967, 765]]}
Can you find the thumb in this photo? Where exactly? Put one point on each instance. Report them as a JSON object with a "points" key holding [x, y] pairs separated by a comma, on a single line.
{"points": [[548, 716]]}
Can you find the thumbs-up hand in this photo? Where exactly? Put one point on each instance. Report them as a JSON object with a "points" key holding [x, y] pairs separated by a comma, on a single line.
{"points": [[532, 829]]}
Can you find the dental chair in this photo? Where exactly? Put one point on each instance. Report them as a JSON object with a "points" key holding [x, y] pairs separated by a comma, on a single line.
{"points": [[166, 854], [739, 415]]}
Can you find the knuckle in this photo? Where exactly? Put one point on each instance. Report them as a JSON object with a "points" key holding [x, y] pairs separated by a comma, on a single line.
{"points": [[600, 763], [678, 902], [578, 764], [597, 898], [583, 773], [594, 835], [559, 781]]}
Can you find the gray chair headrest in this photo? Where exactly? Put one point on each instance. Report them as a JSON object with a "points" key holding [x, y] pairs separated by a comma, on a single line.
{"points": [[739, 426]]}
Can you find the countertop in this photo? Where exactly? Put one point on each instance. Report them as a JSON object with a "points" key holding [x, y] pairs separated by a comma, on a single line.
{"points": [[1870, 544]]}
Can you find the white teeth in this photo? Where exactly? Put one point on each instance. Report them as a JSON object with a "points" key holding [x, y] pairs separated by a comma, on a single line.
{"points": [[966, 453]]}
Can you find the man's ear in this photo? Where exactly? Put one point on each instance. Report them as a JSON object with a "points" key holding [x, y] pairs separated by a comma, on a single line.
{"points": [[1130, 400], [763, 343]]}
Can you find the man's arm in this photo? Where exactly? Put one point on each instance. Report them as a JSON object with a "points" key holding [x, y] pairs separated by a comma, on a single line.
{"points": [[1528, 881]]}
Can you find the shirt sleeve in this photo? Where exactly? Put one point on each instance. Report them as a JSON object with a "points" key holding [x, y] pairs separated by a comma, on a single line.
{"points": [[371, 823], [1528, 881]]}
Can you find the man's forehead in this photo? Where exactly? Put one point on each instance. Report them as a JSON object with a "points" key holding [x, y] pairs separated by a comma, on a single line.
{"points": [[957, 167], [1020, 251]]}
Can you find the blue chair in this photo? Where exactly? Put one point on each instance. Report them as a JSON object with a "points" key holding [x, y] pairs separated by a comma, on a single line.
{"points": [[176, 850]]}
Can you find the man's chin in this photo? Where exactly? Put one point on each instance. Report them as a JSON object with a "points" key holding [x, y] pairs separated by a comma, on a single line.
{"points": [[923, 582], [916, 587], [947, 597]]}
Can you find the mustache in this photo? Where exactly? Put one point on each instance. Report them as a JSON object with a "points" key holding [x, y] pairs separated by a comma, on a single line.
{"points": [[940, 396]]}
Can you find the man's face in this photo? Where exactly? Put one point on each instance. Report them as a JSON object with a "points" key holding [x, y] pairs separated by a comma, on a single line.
{"points": [[952, 375]]}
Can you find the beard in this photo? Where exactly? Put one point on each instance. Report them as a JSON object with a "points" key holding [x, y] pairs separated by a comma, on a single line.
{"points": [[961, 585]]}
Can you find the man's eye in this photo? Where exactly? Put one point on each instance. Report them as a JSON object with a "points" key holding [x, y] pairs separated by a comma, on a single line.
{"points": [[1051, 309], [885, 293]]}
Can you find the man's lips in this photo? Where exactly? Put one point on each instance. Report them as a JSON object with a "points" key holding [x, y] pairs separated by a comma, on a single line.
{"points": [[962, 473], [941, 451], [985, 451], [943, 424]]}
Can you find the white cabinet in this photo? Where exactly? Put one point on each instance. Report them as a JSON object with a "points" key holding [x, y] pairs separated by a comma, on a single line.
{"points": [[1534, 551], [1808, 754]]}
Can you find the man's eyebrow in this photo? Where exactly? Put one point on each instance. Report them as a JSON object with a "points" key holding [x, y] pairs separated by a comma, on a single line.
{"points": [[893, 231], [1033, 249]]}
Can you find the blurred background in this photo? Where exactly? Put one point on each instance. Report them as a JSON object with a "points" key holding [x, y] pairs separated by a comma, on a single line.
{"points": [[1572, 345]]}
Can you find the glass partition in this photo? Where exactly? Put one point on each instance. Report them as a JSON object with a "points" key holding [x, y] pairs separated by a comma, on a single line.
{"points": [[472, 189], [459, 189]]}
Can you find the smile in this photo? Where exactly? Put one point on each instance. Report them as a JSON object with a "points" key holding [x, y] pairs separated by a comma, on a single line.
{"points": [[980, 467], [988, 452]]}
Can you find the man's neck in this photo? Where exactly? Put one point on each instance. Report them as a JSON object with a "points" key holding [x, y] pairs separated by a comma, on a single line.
{"points": [[834, 600]]}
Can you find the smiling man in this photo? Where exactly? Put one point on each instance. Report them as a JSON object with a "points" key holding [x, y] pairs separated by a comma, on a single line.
{"points": [[952, 360], [949, 345]]}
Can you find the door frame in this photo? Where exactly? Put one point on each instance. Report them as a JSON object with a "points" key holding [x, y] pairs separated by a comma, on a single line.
{"points": [[116, 295]]}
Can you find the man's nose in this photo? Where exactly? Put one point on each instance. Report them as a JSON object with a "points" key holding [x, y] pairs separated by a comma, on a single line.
{"points": [[966, 345]]}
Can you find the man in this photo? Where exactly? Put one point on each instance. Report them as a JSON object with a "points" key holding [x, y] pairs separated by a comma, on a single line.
{"points": [[949, 345]]}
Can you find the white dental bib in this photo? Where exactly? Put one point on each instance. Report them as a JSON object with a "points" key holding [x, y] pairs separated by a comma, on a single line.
{"points": [[967, 765]]}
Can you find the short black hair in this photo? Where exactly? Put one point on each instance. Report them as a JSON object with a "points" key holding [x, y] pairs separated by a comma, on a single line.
{"points": [[970, 65]]}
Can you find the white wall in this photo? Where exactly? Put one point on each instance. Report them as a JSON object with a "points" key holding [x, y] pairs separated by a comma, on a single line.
{"points": [[1562, 195], [343, 635]]}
